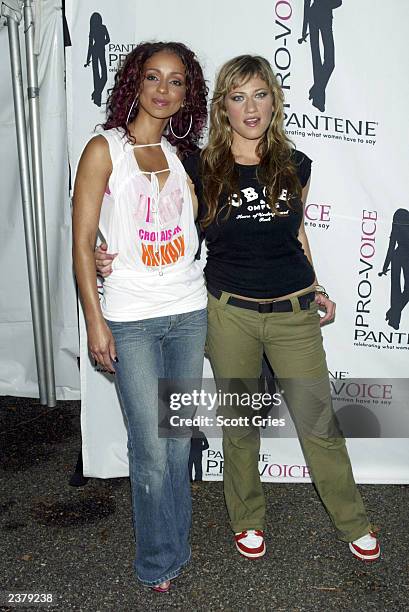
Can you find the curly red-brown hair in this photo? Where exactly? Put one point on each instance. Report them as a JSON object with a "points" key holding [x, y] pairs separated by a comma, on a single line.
{"points": [[128, 81]]}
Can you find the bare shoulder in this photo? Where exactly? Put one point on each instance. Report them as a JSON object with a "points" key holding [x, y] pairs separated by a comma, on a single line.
{"points": [[97, 152], [95, 160], [95, 166]]}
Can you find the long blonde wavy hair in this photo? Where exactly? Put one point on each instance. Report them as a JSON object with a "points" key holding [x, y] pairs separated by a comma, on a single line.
{"points": [[276, 170]]}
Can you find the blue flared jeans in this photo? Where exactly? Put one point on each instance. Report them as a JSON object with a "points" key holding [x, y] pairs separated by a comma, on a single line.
{"points": [[169, 347]]}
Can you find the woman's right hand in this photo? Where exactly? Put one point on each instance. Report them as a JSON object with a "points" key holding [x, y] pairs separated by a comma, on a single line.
{"points": [[103, 260], [101, 344]]}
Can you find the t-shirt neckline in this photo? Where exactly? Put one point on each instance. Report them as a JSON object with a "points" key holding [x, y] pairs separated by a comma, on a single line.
{"points": [[246, 165]]}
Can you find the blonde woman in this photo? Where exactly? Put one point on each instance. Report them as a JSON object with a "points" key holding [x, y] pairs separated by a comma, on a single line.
{"points": [[263, 296]]}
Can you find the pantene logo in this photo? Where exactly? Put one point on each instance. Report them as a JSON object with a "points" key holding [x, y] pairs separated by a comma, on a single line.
{"points": [[268, 469], [310, 24]]}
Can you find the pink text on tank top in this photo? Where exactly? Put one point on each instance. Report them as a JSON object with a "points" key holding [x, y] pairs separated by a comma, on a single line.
{"points": [[170, 207], [164, 243]]}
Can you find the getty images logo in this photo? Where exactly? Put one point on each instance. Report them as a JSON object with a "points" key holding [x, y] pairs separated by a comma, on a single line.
{"points": [[98, 39]]}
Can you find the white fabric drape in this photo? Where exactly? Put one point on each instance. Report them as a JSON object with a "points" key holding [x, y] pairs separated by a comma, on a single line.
{"points": [[18, 374]]}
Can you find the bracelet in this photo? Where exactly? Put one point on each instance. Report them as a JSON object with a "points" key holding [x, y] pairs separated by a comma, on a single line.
{"points": [[321, 290]]}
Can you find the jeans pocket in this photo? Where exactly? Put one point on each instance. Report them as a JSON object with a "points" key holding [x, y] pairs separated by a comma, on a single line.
{"points": [[196, 317], [126, 332]]}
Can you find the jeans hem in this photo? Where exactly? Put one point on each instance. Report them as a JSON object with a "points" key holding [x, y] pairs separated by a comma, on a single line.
{"points": [[170, 576]]}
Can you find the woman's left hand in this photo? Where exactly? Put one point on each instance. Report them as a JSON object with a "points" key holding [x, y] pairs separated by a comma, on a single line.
{"points": [[327, 305]]}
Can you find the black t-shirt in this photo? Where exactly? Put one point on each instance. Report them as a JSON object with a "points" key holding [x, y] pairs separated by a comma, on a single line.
{"points": [[254, 252]]}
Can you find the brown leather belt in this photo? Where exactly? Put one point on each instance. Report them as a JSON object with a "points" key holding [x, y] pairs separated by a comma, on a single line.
{"points": [[265, 307]]}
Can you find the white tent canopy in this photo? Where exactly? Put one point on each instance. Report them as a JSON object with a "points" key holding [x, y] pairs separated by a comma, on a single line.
{"points": [[18, 372]]}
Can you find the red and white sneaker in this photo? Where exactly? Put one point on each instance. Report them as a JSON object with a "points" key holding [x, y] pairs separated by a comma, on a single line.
{"points": [[250, 543], [366, 548]]}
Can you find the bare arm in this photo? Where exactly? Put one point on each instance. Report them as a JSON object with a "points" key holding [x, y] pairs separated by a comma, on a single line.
{"points": [[323, 302], [93, 173], [302, 236]]}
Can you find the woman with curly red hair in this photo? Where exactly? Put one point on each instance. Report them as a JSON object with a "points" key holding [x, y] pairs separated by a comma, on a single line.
{"points": [[151, 322]]}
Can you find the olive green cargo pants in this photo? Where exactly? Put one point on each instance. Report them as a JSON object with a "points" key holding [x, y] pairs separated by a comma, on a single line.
{"points": [[292, 342]]}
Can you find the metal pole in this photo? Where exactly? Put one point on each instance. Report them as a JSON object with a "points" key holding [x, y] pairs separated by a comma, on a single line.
{"points": [[15, 59], [38, 193]]}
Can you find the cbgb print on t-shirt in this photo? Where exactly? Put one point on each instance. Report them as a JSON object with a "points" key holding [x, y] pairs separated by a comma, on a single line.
{"points": [[253, 204]]}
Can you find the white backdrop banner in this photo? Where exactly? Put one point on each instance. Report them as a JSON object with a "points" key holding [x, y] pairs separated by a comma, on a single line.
{"points": [[18, 373], [346, 109]]}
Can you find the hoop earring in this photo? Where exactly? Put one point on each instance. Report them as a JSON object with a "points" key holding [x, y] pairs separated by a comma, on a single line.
{"points": [[188, 130], [132, 105]]}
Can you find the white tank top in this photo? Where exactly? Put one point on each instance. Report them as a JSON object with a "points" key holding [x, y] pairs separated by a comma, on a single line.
{"points": [[155, 272]]}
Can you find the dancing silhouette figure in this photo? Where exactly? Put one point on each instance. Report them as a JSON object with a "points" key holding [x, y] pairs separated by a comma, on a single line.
{"points": [[98, 39], [397, 257], [198, 444], [318, 20]]}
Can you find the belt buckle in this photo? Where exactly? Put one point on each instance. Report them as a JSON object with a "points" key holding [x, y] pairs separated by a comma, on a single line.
{"points": [[266, 307]]}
